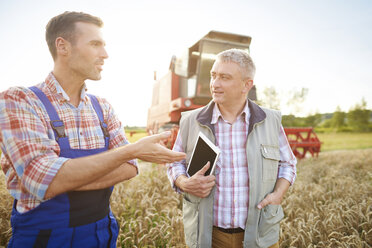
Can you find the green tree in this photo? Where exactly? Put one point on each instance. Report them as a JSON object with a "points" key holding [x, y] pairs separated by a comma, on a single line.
{"points": [[291, 121], [338, 118], [327, 123], [358, 117], [313, 120]]}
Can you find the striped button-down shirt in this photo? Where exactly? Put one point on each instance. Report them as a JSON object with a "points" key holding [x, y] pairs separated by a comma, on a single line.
{"points": [[30, 157], [232, 186]]}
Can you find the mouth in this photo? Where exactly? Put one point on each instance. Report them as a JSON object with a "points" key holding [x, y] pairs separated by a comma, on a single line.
{"points": [[217, 92], [100, 63], [99, 66]]}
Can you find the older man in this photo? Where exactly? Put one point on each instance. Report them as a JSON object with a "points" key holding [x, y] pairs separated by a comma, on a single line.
{"points": [[239, 206]]}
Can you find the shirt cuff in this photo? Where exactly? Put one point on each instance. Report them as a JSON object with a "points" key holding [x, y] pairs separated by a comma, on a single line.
{"points": [[288, 175], [174, 171], [134, 163], [174, 186], [39, 186]]}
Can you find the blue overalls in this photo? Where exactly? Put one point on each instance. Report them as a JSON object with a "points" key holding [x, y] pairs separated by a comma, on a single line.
{"points": [[73, 219]]}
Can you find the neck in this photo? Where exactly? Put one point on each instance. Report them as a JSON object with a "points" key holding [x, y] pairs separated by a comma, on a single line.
{"points": [[230, 112], [70, 82]]}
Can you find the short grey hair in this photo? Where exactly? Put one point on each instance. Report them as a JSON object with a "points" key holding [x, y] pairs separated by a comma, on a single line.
{"points": [[242, 58]]}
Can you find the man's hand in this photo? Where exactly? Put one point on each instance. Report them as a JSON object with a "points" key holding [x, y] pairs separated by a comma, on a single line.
{"points": [[276, 197], [198, 185], [152, 149], [270, 199]]}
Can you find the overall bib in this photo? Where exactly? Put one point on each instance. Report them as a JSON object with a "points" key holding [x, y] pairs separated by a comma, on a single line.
{"points": [[73, 219]]}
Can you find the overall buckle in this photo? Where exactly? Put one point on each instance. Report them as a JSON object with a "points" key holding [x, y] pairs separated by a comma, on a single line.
{"points": [[60, 130], [104, 129]]}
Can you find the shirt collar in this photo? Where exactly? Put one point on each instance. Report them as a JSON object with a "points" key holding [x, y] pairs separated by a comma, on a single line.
{"points": [[57, 90], [217, 113]]}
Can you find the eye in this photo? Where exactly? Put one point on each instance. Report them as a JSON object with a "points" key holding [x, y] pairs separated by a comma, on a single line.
{"points": [[96, 43]]}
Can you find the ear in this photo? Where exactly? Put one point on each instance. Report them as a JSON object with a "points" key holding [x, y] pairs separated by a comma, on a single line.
{"points": [[62, 47], [248, 84]]}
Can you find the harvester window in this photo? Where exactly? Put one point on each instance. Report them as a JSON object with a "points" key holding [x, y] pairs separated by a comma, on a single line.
{"points": [[207, 58]]}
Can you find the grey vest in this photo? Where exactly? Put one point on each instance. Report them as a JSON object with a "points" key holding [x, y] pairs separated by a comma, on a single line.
{"points": [[262, 226]]}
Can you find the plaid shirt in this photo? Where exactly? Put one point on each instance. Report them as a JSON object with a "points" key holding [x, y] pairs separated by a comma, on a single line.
{"points": [[30, 157], [232, 186]]}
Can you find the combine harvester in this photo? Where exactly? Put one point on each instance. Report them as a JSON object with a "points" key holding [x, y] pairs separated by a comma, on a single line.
{"points": [[186, 87]]}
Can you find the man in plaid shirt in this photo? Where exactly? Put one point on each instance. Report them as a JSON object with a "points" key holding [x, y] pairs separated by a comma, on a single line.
{"points": [[239, 205], [63, 150]]}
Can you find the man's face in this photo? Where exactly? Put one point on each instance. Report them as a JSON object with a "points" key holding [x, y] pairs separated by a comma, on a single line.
{"points": [[227, 84], [88, 52]]}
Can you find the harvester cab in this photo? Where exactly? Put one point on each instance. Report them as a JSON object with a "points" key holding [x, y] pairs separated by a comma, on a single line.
{"points": [[186, 85]]}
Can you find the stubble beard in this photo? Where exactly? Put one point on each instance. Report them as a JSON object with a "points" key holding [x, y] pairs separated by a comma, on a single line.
{"points": [[90, 73], [85, 70], [96, 77]]}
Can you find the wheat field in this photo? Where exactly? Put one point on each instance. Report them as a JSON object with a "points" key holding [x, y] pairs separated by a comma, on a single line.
{"points": [[330, 205]]}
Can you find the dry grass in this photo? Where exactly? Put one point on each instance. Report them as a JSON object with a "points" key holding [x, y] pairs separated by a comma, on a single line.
{"points": [[148, 211], [330, 205], [6, 202]]}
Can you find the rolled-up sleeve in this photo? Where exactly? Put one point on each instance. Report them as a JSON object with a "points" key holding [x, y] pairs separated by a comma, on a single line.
{"points": [[176, 169], [33, 157], [288, 161]]}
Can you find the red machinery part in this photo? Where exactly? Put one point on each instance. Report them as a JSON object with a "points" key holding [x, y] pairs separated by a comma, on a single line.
{"points": [[303, 140]]}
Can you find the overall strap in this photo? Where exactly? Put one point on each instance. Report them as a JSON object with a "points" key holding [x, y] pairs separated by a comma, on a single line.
{"points": [[56, 123], [98, 109]]}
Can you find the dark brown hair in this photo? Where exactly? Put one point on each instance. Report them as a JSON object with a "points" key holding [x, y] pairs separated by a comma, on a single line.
{"points": [[63, 26]]}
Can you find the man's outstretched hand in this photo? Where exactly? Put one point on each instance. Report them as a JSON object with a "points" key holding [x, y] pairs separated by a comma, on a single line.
{"points": [[152, 149]]}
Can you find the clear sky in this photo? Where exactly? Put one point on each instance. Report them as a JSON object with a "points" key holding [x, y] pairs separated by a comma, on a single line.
{"points": [[323, 45]]}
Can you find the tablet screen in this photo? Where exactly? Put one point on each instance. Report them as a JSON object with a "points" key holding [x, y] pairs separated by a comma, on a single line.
{"points": [[203, 152]]}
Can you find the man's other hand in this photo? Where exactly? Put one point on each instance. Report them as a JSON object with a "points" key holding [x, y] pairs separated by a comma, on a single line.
{"points": [[198, 185], [276, 197], [152, 149]]}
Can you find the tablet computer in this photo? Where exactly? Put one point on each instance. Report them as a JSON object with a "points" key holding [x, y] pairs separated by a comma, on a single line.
{"points": [[204, 151]]}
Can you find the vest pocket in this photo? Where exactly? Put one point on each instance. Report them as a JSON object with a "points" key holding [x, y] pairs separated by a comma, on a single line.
{"points": [[268, 225], [190, 221], [270, 157]]}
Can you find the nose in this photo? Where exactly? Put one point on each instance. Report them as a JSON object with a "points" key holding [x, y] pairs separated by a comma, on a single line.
{"points": [[215, 82], [104, 53]]}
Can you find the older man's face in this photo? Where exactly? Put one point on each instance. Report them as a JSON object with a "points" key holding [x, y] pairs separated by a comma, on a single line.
{"points": [[227, 85]]}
